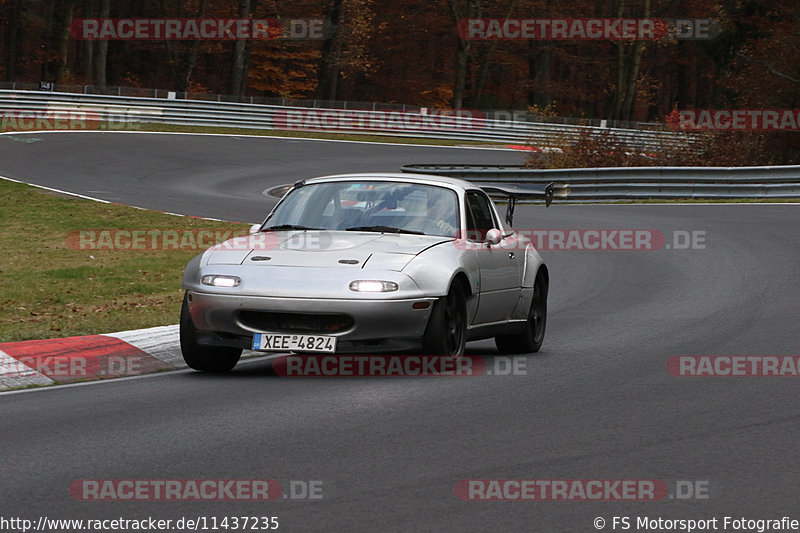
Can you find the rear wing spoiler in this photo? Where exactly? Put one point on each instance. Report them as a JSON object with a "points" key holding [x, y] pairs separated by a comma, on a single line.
{"points": [[514, 191]]}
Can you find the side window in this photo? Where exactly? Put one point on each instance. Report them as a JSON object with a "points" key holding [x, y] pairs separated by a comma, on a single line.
{"points": [[479, 216]]}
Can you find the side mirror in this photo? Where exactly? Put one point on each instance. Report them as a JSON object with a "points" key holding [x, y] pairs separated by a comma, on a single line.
{"points": [[254, 228], [493, 237]]}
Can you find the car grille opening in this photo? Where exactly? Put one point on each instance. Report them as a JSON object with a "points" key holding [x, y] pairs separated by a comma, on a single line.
{"points": [[296, 322]]}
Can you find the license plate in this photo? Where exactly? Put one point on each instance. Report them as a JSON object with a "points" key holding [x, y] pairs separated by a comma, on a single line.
{"points": [[281, 342]]}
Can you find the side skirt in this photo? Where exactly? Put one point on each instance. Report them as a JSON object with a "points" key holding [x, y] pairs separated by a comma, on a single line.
{"points": [[487, 331]]}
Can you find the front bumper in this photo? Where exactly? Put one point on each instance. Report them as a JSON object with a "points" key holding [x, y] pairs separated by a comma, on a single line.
{"points": [[383, 325]]}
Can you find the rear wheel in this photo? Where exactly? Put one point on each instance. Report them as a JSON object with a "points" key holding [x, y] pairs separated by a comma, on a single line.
{"points": [[446, 333], [204, 358], [530, 339]]}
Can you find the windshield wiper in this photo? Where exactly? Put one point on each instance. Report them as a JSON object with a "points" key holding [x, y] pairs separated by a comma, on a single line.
{"points": [[385, 229], [286, 227]]}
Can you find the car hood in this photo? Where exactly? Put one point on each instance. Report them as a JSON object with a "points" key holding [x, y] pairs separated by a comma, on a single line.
{"points": [[341, 249]]}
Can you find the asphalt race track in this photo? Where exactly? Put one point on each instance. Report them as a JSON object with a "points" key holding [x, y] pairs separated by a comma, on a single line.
{"points": [[203, 175], [596, 403]]}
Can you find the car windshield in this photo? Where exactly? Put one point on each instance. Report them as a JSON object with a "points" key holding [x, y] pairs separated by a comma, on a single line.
{"points": [[374, 206]]}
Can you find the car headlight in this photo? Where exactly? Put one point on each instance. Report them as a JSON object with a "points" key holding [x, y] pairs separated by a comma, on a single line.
{"points": [[217, 280], [368, 285]]}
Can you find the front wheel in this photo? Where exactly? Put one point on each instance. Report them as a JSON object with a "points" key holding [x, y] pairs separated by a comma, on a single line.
{"points": [[446, 333], [530, 339], [204, 358]]}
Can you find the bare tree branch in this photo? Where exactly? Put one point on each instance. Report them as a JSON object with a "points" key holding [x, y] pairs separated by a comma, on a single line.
{"points": [[770, 68]]}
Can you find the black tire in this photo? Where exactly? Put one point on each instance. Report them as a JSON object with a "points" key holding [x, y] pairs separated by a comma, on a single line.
{"points": [[446, 333], [204, 358], [531, 338]]}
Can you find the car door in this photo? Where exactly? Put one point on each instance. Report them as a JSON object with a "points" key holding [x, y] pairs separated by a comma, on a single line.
{"points": [[499, 264]]}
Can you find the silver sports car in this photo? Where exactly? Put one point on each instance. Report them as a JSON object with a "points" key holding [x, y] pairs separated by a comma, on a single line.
{"points": [[369, 263]]}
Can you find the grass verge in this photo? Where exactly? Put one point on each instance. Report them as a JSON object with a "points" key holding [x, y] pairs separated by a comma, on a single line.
{"points": [[52, 288]]}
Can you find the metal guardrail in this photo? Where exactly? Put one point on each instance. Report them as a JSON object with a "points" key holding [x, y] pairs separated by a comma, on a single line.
{"points": [[121, 112], [636, 183], [519, 115]]}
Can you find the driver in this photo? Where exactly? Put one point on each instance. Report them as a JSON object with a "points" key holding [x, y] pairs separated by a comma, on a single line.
{"points": [[441, 209]]}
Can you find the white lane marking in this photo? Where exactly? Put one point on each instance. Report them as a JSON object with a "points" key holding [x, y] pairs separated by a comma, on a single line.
{"points": [[312, 139], [33, 140], [93, 199], [51, 189]]}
